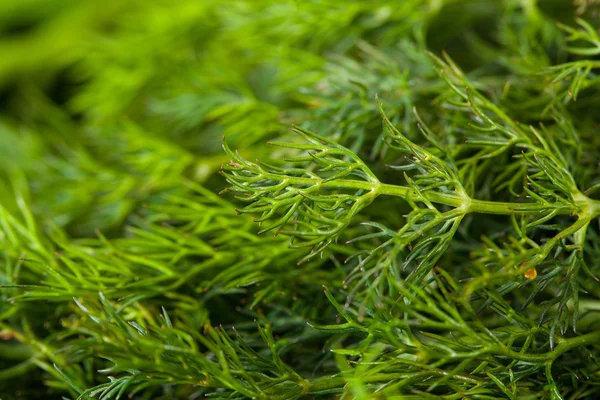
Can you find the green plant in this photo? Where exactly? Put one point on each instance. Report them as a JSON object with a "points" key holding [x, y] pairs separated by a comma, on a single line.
{"points": [[427, 229], [391, 286]]}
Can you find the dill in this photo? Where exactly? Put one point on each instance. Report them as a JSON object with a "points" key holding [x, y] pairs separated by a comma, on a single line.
{"points": [[296, 200]]}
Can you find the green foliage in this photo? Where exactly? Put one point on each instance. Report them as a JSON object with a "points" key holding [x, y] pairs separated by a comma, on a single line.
{"points": [[424, 223]]}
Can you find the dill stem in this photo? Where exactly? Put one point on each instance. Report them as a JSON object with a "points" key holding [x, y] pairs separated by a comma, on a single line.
{"points": [[337, 382], [564, 346], [571, 343], [472, 205], [329, 383]]}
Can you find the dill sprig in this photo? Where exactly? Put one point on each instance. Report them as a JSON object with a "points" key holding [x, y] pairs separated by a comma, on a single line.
{"points": [[427, 229]]}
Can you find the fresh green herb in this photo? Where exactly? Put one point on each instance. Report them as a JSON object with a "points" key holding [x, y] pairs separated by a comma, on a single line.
{"points": [[424, 223]]}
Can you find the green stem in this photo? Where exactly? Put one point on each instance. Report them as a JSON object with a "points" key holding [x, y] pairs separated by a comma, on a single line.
{"points": [[578, 341], [329, 383], [475, 206], [564, 346], [335, 382], [16, 371]]}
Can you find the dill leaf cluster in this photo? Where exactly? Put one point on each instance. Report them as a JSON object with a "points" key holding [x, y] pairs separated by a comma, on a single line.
{"points": [[264, 199]]}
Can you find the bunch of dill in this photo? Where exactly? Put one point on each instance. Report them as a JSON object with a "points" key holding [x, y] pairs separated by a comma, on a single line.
{"points": [[423, 225]]}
